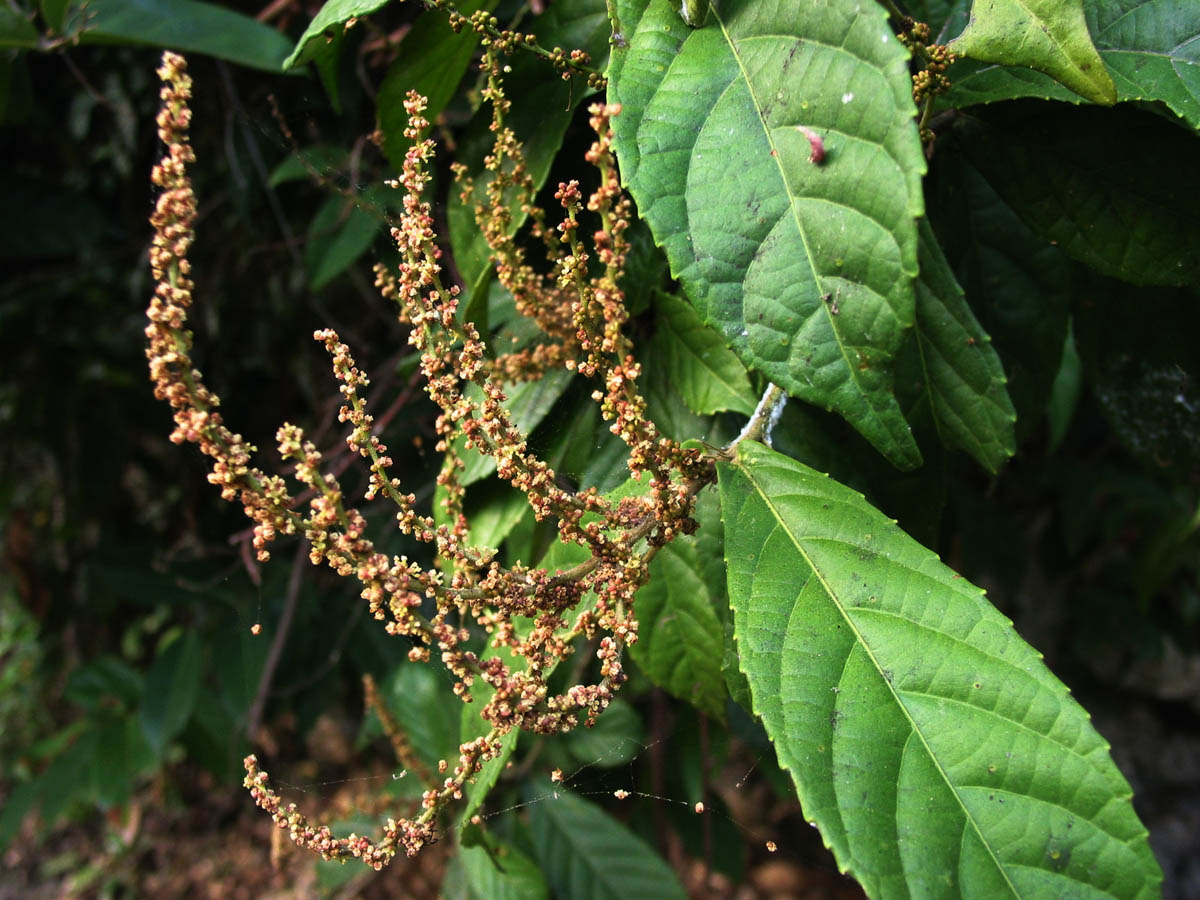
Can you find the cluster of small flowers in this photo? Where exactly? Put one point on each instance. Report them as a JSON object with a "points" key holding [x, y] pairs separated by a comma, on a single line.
{"points": [[567, 63], [264, 497], [582, 315], [930, 79]]}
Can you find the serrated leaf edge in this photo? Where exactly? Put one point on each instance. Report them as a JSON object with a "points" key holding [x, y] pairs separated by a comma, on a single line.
{"points": [[850, 367], [846, 867]]}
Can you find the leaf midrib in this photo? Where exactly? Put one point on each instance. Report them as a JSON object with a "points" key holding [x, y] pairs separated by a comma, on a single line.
{"points": [[766, 499], [850, 367], [1057, 43]]}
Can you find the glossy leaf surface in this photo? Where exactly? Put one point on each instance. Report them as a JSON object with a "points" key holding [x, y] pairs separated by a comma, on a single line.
{"points": [[712, 145], [706, 373], [187, 26], [1151, 49], [958, 366], [1048, 35], [501, 872], [586, 854], [928, 742]]}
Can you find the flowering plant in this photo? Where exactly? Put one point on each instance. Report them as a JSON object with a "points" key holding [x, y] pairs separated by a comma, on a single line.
{"points": [[904, 706]]}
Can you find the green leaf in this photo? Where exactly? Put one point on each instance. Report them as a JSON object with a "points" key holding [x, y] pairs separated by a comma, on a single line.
{"points": [[17, 805], [665, 406], [541, 110], [928, 742], [172, 685], [704, 371], [121, 755], [432, 61], [68, 781], [957, 365], [477, 790], [494, 509], [338, 235], [55, 12], [1048, 35], [187, 26], [323, 34], [416, 694], [16, 30], [946, 18], [1081, 179], [1151, 49], [711, 146], [560, 556], [106, 681], [588, 855], [1018, 285], [501, 872], [681, 638], [735, 681], [583, 449]]}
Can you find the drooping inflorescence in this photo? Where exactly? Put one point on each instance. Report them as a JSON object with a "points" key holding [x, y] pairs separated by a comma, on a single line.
{"points": [[578, 303]]}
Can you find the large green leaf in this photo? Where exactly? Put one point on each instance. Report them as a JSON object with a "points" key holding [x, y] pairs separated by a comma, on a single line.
{"points": [[712, 145], [340, 233], [586, 854], [1018, 285], [16, 30], [1115, 189], [188, 26], [681, 636], [1151, 49], [433, 58], [706, 373], [416, 694], [171, 688], [1048, 35], [500, 872], [930, 744], [958, 367]]}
